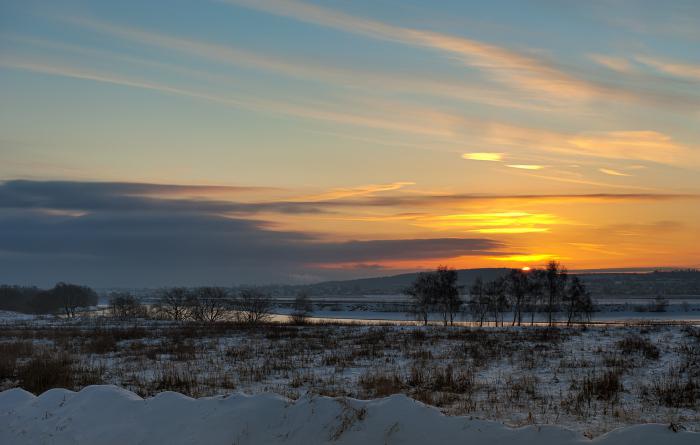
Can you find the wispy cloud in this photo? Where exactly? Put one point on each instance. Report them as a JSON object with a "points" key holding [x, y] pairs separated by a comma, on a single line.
{"points": [[481, 156], [123, 196], [607, 185], [644, 145], [511, 230], [526, 258], [527, 72], [615, 63], [512, 222], [86, 74], [436, 200], [519, 70], [611, 172], [683, 70], [526, 166], [636, 145], [354, 192], [400, 124], [306, 69], [675, 68], [401, 118]]}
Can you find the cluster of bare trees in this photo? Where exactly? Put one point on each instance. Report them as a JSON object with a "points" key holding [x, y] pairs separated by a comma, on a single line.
{"points": [[252, 307], [212, 304], [72, 297], [435, 292], [201, 304], [207, 304], [125, 306], [550, 290], [67, 299]]}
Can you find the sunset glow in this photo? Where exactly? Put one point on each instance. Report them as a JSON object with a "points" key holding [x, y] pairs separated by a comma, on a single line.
{"points": [[298, 141]]}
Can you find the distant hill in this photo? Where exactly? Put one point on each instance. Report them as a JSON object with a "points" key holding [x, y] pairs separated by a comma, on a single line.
{"points": [[601, 284], [397, 283], [673, 283]]}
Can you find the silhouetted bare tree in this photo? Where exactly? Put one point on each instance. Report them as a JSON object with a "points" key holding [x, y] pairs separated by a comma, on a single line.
{"points": [[209, 304], [253, 307], [421, 294], [518, 288], [579, 305], [478, 301], [174, 303], [495, 292], [435, 291], [555, 277], [536, 292], [301, 308], [126, 306], [446, 294]]}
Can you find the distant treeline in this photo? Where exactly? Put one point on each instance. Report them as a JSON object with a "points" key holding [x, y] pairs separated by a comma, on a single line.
{"points": [[63, 298], [600, 284], [668, 283]]}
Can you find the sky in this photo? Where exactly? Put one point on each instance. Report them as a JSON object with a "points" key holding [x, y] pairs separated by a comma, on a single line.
{"points": [[288, 141]]}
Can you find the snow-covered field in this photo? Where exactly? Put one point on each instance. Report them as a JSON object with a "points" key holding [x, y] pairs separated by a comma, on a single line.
{"points": [[110, 415], [590, 381]]}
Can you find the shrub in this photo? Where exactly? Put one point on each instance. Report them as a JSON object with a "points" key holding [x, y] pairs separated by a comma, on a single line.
{"points": [[46, 371], [381, 384], [606, 386], [677, 392], [9, 353], [302, 309], [635, 344]]}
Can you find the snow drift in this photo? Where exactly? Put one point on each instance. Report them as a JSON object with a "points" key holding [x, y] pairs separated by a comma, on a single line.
{"points": [[111, 415]]}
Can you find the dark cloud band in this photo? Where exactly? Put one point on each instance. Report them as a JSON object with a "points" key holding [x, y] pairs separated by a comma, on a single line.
{"points": [[118, 238]]}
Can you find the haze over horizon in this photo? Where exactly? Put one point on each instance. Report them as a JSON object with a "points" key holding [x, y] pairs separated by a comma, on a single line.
{"points": [[288, 141]]}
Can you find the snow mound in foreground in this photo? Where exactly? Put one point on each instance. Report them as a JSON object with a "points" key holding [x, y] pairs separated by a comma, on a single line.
{"points": [[107, 414]]}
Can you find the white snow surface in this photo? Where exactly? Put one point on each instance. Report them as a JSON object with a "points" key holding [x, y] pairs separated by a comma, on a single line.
{"points": [[107, 414]]}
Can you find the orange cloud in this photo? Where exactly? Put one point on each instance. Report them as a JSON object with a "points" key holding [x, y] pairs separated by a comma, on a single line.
{"points": [[498, 222], [513, 230], [638, 145], [493, 157], [611, 172], [526, 166], [644, 145], [352, 192], [529, 258]]}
